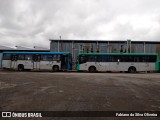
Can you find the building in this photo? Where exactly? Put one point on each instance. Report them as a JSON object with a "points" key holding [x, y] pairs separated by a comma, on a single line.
{"points": [[76, 46]]}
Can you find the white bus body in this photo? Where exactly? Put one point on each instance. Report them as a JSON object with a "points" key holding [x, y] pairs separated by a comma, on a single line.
{"points": [[115, 66], [117, 62], [33, 61]]}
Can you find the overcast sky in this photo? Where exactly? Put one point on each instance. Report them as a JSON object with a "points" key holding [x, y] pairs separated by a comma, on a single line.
{"points": [[33, 22]]}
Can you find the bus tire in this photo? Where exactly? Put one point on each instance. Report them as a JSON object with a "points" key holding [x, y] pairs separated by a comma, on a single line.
{"points": [[132, 69], [55, 68], [92, 69], [20, 67]]}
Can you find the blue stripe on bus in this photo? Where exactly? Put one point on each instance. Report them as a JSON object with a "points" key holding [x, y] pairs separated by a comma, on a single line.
{"points": [[36, 53]]}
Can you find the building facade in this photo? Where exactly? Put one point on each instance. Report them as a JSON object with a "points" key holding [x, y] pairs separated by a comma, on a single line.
{"points": [[76, 46]]}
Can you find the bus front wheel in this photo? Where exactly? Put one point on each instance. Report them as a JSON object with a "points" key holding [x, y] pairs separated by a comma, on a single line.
{"points": [[55, 68], [20, 67], [92, 69], [132, 70]]}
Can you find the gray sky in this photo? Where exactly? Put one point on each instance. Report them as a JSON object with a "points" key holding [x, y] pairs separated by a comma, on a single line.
{"points": [[33, 22]]}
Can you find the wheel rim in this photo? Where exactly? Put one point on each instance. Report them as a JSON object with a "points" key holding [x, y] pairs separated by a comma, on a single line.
{"points": [[20, 68], [92, 69], [132, 70], [55, 68]]}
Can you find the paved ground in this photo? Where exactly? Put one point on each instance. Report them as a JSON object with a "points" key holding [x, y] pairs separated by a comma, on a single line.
{"points": [[47, 91]]}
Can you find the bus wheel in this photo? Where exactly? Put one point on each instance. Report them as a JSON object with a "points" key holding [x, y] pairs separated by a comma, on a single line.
{"points": [[92, 69], [20, 67], [132, 70], [55, 68]]}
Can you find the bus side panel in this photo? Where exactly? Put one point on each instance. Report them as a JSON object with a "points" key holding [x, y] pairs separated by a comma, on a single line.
{"points": [[157, 66], [6, 63], [48, 65], [146, 66], [151, 67], [53, 63], [124, 66], [28, 64], [103, 66], [78, 66], [114, 66], [14, 65], [121, 66], [45, 65], [36, 65], [85, 66]]}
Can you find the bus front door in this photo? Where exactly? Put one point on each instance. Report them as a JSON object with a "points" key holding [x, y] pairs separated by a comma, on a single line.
{"points": [[36, 62], [64, 62], [14, 61]]}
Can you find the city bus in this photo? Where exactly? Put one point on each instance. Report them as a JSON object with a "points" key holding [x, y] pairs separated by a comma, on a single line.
{"points": [[128, 62], [54, 61]]}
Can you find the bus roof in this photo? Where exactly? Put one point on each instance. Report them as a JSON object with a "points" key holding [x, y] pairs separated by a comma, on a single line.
{"points": [[36, 53], [117, 53]]}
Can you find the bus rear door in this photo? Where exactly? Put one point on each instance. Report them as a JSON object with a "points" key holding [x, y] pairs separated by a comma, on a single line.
{"points": [[14, 61], [28, 64], [64, 62], [36, 62]]}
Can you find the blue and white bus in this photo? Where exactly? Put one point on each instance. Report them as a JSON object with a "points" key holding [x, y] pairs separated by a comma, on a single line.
{"points": [[129, 62], [54, 61]]}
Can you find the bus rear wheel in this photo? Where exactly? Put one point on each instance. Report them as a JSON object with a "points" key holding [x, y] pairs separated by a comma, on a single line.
{"points": [[132, 70], [20, 67], [92, 69], [55, 68]]}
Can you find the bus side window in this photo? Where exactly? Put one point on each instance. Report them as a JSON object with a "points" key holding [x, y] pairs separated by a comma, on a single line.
{"points": [[6, 56], [14, 58], [153, 58], [36, 58], [136, 59], [28, 57], [20, 57], [56, 57], [99, 58], [110, 58], [83, 59], [91, 58], [114, 59]]}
